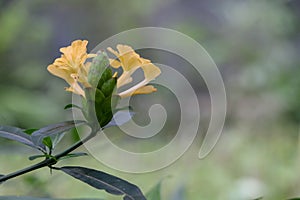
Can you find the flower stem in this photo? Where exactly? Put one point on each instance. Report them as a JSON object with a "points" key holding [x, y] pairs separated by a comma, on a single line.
{"points": [[48, 162]]}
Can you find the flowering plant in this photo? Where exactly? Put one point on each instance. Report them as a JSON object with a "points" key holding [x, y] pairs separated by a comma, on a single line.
{"points": [[100, 86]]}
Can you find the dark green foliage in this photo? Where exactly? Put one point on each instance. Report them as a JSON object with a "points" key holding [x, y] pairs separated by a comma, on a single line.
{"points": [[97, 68], [100, 102], [108, 86], [104, 107], [48, 142], [104, 181], [105, 76], [37, 156], [104, 111], [38, 138], [30, 131], [53, 129], [99, 96]]}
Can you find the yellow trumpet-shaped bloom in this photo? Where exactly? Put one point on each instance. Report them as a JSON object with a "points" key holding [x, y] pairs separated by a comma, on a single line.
{"points": [[71, 66], [130, 61]]}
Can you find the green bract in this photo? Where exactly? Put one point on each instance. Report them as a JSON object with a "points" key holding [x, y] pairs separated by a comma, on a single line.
{"points": [[101, 98], [98, 65]]}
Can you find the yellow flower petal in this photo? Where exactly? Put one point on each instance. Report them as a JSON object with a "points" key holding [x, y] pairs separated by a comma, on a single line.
{"points": [[124, 49], [91, 55], [142, 90], [62, 73], [114, 63], [150, 71], [145, 90], [113, 51], [130, 61], [124, 79], [128, 58], [76, 89], [71, 66], [87, 66]]}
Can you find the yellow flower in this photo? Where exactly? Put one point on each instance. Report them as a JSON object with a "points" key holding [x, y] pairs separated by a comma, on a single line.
{"points": [[130, 61], [71, 66]]}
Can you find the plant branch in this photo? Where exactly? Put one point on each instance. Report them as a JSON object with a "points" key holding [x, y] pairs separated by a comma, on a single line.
{"points": [[48, 162]]}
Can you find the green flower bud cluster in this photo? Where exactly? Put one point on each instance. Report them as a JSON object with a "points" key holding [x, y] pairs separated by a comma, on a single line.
{"points": [[101, 98]]}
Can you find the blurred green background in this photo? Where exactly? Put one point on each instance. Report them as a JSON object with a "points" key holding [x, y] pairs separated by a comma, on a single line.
{"points": [[256, 46]]}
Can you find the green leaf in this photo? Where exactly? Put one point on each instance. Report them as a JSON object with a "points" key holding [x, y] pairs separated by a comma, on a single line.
{"points": [[108, 86], [107, 182], [154, 193], [98, 66], [16, 134], [72, 106], [99, 96], [30, 131], [53, 129], [106, 75], [48, 142], [103, 111], [36, 156]]}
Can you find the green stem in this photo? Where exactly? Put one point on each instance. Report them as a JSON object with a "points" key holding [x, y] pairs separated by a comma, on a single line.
{"points": [[49, 161]]}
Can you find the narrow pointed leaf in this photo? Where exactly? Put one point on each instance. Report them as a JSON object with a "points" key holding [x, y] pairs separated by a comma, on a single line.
{"points": [[30, 131], [72, 106], [50, 130], [37, 156], [48, 142], [16, 134], [107, 182]]}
